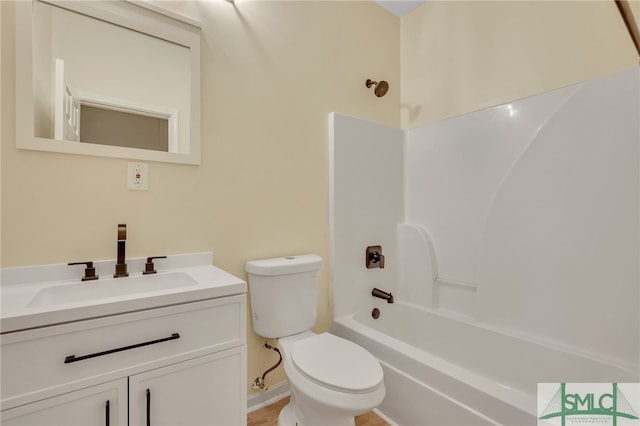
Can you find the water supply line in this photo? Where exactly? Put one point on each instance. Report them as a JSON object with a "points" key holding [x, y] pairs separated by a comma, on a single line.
{"points": [[258, 383]]}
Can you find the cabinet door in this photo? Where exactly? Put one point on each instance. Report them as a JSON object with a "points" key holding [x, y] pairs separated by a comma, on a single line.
{"points": [[100, 405], [208, 390]]}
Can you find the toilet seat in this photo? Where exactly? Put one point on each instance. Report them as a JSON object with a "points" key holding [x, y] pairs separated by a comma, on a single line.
{"points": [[336, 363]]}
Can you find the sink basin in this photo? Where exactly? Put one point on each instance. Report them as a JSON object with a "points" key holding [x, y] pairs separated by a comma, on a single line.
{"points": [[114, 287], [44, 295]]}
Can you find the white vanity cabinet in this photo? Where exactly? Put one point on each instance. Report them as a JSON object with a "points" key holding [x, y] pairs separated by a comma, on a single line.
{"points": [[176, 365], [202, 391], [99, 405]]}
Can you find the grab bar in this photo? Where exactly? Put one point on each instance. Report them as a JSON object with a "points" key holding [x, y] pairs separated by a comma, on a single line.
{"points": [[72, 358]]}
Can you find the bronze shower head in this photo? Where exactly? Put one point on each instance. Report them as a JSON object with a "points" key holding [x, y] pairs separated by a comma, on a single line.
{"points": [[381, 87]]}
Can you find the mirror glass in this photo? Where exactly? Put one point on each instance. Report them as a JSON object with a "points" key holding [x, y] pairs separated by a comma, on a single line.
{"points": [[109, 78]]}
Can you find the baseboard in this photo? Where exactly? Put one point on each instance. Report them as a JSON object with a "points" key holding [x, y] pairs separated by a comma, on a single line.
{"points": [[384, 417], [275, 393]]}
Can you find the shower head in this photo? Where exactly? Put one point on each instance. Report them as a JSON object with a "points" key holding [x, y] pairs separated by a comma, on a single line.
{"points": [[381, 87]]}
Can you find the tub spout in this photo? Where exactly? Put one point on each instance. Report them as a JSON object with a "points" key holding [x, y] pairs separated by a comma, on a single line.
{"points": [[382, 295]]}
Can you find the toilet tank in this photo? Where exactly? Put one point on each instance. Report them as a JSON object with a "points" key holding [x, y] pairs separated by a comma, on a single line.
{"points": [[284, 294]]}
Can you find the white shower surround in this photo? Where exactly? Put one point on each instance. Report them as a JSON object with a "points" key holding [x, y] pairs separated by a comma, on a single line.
{"points": [[528, 212]]}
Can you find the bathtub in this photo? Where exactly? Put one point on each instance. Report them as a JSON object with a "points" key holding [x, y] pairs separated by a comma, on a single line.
{"points": [[441, 370]]}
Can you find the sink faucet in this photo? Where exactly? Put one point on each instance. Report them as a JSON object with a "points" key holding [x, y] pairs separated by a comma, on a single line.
{"points": [[121, 266]]}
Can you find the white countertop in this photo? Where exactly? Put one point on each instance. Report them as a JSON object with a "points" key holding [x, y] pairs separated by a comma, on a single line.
{"points": [[18, 291]]}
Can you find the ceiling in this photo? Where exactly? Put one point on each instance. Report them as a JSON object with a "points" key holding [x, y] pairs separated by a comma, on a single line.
{"points": [[400, 7]]}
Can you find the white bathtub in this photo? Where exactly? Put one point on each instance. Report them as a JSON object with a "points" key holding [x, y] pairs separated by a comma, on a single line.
{"points": [[444, 371]]}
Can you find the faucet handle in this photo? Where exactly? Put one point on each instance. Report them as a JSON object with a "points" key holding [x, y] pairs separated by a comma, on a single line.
{"points": [[374, 257], [89, 271], [149, 266]]}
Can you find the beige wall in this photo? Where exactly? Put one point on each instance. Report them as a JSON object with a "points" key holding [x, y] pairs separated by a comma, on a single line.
{"points": [[271, 73], [459, 57]]}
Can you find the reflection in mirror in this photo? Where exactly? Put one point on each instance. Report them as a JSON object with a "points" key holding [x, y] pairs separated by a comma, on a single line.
{"points": [[110, 127], [109, 78]]}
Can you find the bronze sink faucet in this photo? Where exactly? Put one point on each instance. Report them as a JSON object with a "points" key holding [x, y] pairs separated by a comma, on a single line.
{"points": [[121, 266]]}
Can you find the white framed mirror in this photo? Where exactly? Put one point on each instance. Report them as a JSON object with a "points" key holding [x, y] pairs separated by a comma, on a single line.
{"points": [[107, 78]]}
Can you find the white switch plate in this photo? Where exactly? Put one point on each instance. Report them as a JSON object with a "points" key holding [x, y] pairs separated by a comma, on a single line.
{"points": [[138, 176]]}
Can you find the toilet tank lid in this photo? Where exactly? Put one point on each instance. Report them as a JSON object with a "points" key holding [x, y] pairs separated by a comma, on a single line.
{"points": [[285, 265]]}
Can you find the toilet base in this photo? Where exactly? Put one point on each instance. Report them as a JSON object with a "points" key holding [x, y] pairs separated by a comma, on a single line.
{"points": [[291, 415], [287, 416]]}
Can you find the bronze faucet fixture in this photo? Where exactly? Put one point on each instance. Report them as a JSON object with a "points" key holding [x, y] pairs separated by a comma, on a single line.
{"points": [[121, 266], [149, 267], [382, 295], [381, 87], [89, 270], [374, 257]]}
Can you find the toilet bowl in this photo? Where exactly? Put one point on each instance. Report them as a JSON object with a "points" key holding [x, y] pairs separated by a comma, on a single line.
{"points": [[331, 379]]}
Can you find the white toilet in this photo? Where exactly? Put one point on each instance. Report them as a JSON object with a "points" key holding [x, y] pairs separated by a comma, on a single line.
{"points": [[331, 379]]}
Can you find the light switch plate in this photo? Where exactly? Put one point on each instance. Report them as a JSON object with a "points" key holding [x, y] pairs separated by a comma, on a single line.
{"points": [[138, 176]]}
